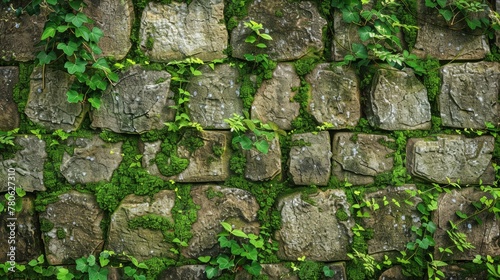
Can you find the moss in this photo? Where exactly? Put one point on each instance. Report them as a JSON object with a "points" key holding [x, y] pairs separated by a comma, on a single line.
{"points": [[184, 212], [233, 11], [168, 162], [341, 215], [309, 270], [247, 92], [305, 122], [278, 13], [156, 266], [46, 225], [152, 222], [60, 233], [305, 65], [432, 79], [191, 140], [211, 194]]}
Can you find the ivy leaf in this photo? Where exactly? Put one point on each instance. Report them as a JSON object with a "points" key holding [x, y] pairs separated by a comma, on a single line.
{"points": [[227, 226], [245, 142], [81, 264], [365, 33], [211, 271], [262, 146], [76, 4], [224, 262], [96, 34], [62, 28], [253, 268], [359, 51], [49, 31], [96, 274], [204, 259], [261, 46], [239, 233], [97, 82], [83, 32], [75, 67], [46, 58], [77, 20], [447, 14], [442, 3], [350, 16], [102, 64], [328, 272], [69, 48], [430, 4], [95, 102], [74, 96]]}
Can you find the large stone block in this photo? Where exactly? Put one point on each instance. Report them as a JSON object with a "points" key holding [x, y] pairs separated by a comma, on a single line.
{"points": [[215, 96], [218, 204], [191, 272], [398, 101], [207, 163], [28, 164], [335, 96], [273, 100], [74, 228], [319, 229], [469, 94], [261, 167], [176, 31], [358, 158], [296, 29], [93, 160], [47, 102], [142, 243], [115, 19], [138, 103], [310, 159], [436, 39], [451, 158], [482, 229], [9, 116]]}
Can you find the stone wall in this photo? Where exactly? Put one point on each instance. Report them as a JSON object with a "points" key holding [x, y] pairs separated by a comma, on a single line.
{"points": [[89, 173]]}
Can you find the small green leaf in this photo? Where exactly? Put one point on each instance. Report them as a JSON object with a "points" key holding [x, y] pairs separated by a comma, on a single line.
{"points": [[83, 32], [95, 102], [75, 67], [250, 39], [265, 36], [77, 20], [46, 58], [239, 233], [224, 262], [461, 214], [52, 2], [359, 51], [227, 226], [261, 46], [69, 48], [96, 34], [262, 146], [81, 264], [49, 31], [204, 259], [328, 272], [447, 14], [74, 96], [254, 268], [211, 271]]}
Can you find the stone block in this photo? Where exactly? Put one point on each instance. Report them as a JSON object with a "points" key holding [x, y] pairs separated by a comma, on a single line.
{"points": [[219, 204], [335, 96], [469, 94], [9, 115], [310, 159], [273, 100], [142, 243], [47, 102], [296, 29], [188, 272], [452, 158], [398, 101], [28, 164], [261, 167], [317, 226], [177, 31], [358, 158], [74, 228], [93, 160], [215, 96], [138, 103]]}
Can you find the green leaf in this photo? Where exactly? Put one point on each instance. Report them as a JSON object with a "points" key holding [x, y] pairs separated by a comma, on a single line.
{"points": [[76, 4], [224, 262], [95, 102], [96, 274], [249, 57], [49, 31], [245, 142], [254, 268], [52, 2], [75, 67], [328, 272], [224, 242], [211, 271], [430, 3], [96, 34], [261, 46], [74, 96], [430, 227], [227, 226], [69, 48], [129, 271], [91, 260], [265, 36], [102, 64], [350, 16], [204, 259], [46, 58], [262, 146], [83, 32], [442, 3], [447, 14], [77, 20], [359, 51], [81, 264], [461, 214], [96, 49], [239, 233], [250, 39]]}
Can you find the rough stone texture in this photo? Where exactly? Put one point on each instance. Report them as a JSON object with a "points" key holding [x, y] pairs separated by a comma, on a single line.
{"points": [[275, 271], [312, 230], [310, 162], [116, 40], [19, 35], [28, 163], [398, 101], [77, 215], [138, 103], [296, 33], [393, 273], [234, 206], [335, 96], [93, 161], [47, 102], [141, 243], [484, 236], [358, 158], [469, 94], [345, 34], [185, 272], [261, 167], [177, 30], [391, 224], [273, 100], [451, 157], [215, 96], [204, 164], [27, 235], [457, 272], [9, 116], [436, 39]]}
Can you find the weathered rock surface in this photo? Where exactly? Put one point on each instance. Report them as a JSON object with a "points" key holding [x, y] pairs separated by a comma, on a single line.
{"points": [[19, 35], [393, 220], [461, 272], [358, 158], [313, 230], [176, 31], [345, 34], [93, 161], [9, 116], [273, 100], [188, 272], [215, 96], [77, 228], [398, 101], [483, 236], [273, 271], [296, 31], [47, 102], [116, 40], [26, 233], [138, 103], [310, 159], [28, 164], [335, 96], [436, 39], [217, 204], [469, 94], [451, 157], [393, 273], [141, 243], [261, 167], [208, 163]]}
